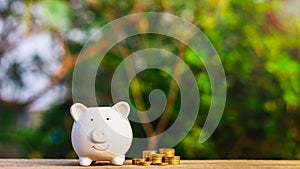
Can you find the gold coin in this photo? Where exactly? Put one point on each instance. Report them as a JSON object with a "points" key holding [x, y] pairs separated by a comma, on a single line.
{"points": [[140, 163], [134, 161], [173, 158], [148, 159], [146, 163], [167, 151], [156, 163], [148, 153], [157, 155], [156, 160], [164, 164], [174, 163]]}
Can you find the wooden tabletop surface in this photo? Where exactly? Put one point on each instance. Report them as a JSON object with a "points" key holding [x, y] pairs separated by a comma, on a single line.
{"points": [[194, 164]]}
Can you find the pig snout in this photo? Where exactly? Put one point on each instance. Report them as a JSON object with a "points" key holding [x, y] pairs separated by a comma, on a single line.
{"points": [[98, 136]]}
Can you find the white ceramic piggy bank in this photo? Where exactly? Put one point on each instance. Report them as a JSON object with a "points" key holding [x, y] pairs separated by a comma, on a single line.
{"points": [[101, 133]]}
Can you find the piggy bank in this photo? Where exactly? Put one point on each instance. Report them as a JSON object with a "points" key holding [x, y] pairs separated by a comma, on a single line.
{"points": [[101, 133]]}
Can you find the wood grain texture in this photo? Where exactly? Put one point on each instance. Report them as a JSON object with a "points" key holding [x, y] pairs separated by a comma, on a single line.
{"points": [[193, 164]]}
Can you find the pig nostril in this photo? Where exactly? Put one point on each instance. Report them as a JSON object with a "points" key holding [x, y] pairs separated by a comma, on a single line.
{"points": [[98, 136]]}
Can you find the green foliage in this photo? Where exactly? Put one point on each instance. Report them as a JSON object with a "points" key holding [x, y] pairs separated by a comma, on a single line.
{"points": [[260, 56], [55, 132], [57, 14]]}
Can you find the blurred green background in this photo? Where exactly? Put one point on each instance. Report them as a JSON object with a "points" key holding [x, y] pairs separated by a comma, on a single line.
{"points": [[257, 41]]}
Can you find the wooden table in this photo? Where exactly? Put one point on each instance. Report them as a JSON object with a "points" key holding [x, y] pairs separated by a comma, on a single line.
{"points": [[194, 164]]}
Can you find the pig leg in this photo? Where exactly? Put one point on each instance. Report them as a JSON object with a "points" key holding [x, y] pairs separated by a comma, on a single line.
{"points": [[119, 160], [85, 161]]}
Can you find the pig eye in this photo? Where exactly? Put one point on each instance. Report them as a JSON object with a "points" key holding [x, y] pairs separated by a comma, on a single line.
{"points": [[92, 119], [107, 118]]}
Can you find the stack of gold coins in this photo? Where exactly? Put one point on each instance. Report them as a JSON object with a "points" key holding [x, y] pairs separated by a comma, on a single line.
{"points": [[147, 154], [166, 156], [168, 152], [175, 160], [157, 159]]}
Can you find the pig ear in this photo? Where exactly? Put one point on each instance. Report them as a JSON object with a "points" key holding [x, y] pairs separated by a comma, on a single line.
{"points": [[77, 110], [123, 108]]}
